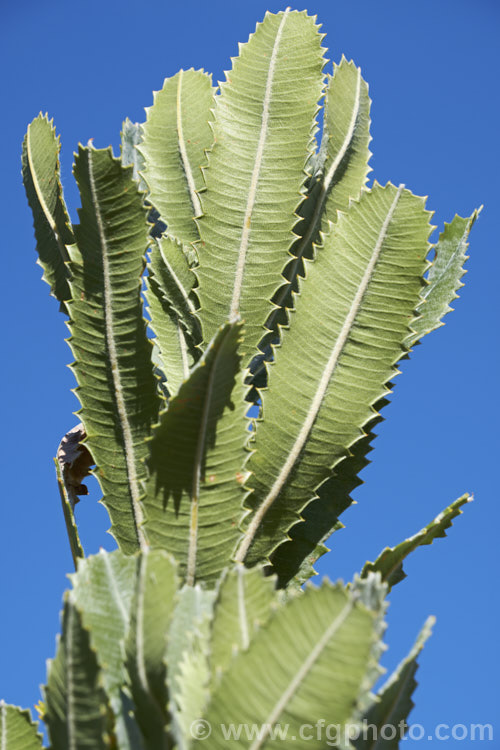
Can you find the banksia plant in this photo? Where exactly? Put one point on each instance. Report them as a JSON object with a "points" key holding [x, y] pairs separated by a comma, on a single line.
{"points": [[238, 300]]}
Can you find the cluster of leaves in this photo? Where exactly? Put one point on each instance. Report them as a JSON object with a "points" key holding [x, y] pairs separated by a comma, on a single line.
{"points": [[275, 278]]}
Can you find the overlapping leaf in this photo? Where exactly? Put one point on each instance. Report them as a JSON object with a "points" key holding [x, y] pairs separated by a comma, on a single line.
{"points": [[116, 386], [152, 611], [346, 335], [318, 649], [194, 494], [175, 137], [244, 601], [172, 309], [43, 188], [390, 561], [75, 701], [384, 725], [17, 730], [264, 127]]}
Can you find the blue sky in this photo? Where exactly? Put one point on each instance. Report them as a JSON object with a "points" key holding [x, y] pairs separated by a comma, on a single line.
{"points": [[433, 72]]}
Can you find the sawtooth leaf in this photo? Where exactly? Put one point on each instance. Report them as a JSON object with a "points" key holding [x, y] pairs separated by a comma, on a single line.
{"points": [[444, 276], [113, 368], [176, 135], [75, 702], [394, 702], [17, 730], [152, 610], [41, 177], [346, 335], [245, 597], [194, 494], [255, 180], [390, 561], [318, 648]]}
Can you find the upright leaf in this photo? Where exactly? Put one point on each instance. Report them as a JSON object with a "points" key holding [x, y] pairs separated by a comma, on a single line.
{"points": [[103, 588], [175, 136], [76, 703], [244, 600], [318, 649], [17, 730], [44, 191], [152, 611], [444, 276], [116, 386], [264, 135], [131, 137], [326, 377], [394, 702], [194, 494], [390, 562]]}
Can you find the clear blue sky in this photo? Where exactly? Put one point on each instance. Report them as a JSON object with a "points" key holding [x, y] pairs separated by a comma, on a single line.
{"points": [[433, 71]]}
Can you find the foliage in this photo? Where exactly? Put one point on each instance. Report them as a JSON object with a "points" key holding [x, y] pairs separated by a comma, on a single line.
{"points": [[277, 283]]}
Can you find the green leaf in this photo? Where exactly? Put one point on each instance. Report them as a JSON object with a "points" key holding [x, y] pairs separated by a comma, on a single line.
{"points": [[264, 136], [172, 310], [17, 730], [103, 588], [390, 561], [388, 715], [116, 386], [131, 137], [69, 518], [244, 600], [294, 559], [146, 644], [75, 701], [42, 183], [326, 378], [444, 276], [187, 658], [176, 135], [319, 650], [194, 494]]}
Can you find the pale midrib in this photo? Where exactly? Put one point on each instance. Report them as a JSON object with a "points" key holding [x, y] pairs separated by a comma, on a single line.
{"points": [[195, 201], [320, 391], [325, 188], [195, 486], [301, 674], [252, 193], [50, 219], [128, 442], [70, 717], [183, 350], [3, 709], [242, 609]]}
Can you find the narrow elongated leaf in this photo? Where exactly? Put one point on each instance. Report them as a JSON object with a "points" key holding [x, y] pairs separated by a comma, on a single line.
{"points": [[352, 317], [131, 156], [116, 386], [194, 494], [340, 170], [187, 658], [244, 600], [44, 191], [384, 725], [444, 276], [318, 649], [17, 730], [175, 136], [75, 701], [390, 561], [103, 588], [152, 610], [264, 135]]}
